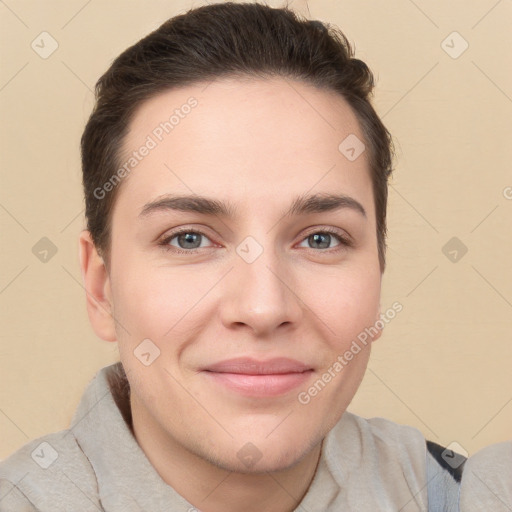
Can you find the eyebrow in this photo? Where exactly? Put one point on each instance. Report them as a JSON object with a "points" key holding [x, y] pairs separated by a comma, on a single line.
{"points": [[301, 205]]}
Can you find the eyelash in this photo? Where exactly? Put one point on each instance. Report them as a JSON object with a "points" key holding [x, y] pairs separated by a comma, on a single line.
{"points": [[344, 242]]}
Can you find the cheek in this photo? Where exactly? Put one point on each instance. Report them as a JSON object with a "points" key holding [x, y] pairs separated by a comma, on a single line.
{"points": [[155, 301], [345, 303]]}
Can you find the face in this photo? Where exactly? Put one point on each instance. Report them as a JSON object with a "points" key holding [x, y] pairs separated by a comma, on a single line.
{"points": [[247, 298]]}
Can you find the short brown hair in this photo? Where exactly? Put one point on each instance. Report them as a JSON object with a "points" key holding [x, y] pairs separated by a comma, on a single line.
{"points": [[220, 40]]}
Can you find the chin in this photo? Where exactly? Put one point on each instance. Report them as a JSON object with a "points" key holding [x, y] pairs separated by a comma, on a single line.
{"points": [[257, 465], [264, 456]]}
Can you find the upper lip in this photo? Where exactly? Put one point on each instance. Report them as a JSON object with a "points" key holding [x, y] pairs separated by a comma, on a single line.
{"points": [[251, 366]]}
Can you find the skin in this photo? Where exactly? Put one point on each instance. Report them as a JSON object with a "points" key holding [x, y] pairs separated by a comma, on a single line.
{"points": [[257, 144]]}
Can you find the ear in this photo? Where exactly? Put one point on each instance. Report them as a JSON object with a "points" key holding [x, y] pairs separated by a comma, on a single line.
{"points": [[97, 286]]}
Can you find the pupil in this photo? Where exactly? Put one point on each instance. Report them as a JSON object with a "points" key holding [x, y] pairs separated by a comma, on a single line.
{"points": [[318, 238], [189, 238]]}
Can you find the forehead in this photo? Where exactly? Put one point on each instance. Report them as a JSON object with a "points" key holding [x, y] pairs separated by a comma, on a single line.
{"points": [[241, 139]]}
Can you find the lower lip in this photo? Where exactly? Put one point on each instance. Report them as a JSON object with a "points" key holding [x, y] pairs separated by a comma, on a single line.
{"points": [[261, 385]]}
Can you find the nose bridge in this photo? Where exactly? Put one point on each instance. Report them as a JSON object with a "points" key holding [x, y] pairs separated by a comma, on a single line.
{"points": [[260, 294]]}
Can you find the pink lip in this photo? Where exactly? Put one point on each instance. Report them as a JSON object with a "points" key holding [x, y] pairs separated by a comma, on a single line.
{"points": [[251, 377]]}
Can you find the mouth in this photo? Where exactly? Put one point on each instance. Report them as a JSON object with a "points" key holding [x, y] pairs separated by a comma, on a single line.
{"points": [[251, 377]]}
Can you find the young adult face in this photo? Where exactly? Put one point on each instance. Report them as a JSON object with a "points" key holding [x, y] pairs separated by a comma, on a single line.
{"points": [[252, 283]]}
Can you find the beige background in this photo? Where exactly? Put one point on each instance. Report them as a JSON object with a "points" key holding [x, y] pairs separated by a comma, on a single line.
{"points": [[443, 365]]}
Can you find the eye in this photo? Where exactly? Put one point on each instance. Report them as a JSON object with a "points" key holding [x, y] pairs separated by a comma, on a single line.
{"points": [[185, 241], [322, 239], [188, 241]]}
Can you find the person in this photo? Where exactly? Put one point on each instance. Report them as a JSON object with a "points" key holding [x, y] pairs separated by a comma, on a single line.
{"points": [[487, 479], [235, 176]]}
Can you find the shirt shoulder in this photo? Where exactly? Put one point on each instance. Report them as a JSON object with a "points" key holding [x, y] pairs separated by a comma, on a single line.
{"points": [[487, 479], [387, 462], [386, 435], [378, 464], [48, 473]]}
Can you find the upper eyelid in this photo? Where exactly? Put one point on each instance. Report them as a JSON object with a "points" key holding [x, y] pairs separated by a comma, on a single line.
{"points": [[344, 236], [170, 236]]}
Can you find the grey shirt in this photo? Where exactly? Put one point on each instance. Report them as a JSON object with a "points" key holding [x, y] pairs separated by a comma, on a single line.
{"points": [[487, 480], [366, 465]]}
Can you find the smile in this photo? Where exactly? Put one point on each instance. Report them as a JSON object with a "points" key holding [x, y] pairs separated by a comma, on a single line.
{"points": [[255, 378]]}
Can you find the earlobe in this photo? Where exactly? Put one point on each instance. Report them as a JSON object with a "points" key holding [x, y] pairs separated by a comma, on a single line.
{"points": [[97, 285]]}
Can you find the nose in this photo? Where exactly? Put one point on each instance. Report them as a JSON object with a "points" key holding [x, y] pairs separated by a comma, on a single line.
{"points": [[261, 295]]}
